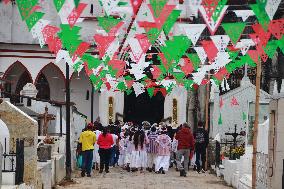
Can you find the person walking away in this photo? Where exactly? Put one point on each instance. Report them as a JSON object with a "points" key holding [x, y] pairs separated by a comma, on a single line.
{"points": [[174, 146], [185, 143], [139, 154], [87, 139], [105, 142], [164, 152], [114, 150], [201, 143], [96, 158], [122, 149], [129, 148], [152, 148]]}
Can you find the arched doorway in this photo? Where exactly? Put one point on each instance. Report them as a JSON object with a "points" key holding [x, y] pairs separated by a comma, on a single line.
{"points": [[144, 108], [19, 76], [42, 86], [50, 83]]}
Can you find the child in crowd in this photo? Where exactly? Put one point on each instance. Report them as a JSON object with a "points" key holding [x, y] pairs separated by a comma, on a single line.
{"points": [[122, 149], [164, 152], [139, 154], [152, 148]]}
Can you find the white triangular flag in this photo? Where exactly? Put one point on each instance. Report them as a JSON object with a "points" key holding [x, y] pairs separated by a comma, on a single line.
{"points": [[138, 88], [271, 7], [221, 42], [66, 10], [193, 6], [37, 31], [244, 14], [193, 31], [244, 45], [211, 24], [201, 54]]}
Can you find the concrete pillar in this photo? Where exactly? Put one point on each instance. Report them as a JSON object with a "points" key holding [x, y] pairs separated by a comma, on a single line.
{"points": [[216, 113]]}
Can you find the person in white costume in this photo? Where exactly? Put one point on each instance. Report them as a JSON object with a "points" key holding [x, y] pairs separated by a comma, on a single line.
{"points": [[164, 152], [139, 154]]}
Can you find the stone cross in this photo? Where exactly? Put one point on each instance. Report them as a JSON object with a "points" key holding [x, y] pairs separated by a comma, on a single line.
{"points": [[46, 118]]}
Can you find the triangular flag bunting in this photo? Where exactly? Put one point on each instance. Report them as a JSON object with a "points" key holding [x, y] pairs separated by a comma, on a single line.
{"points": [[220, 121], [193, 31], [234, 30]]}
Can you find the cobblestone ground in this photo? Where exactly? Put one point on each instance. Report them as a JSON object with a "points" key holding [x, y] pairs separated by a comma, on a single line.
{"points": [[120, 179]]}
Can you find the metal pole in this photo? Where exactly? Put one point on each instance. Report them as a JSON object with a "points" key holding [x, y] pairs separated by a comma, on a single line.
{"points": [[255, 129], [68, 147], [92, 104], [60, 120]]}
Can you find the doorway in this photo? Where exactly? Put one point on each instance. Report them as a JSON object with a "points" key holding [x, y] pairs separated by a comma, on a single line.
{"points": [[144, 108]]}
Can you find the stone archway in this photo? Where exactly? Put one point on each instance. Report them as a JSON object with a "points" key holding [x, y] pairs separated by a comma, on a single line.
{"points": [[19, 76], [51, 80]]}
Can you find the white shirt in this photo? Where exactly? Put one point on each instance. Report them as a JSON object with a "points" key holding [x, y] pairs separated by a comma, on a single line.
{"points": [[114, 137]]}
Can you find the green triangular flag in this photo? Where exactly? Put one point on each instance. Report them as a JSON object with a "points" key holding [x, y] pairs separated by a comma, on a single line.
{"points": [[58, 4], [234, 30], [281, 44], [220, 121], [150, 91], [218, 10], [70, 37], [171, 20], [194, 58], [271, 48], [261, 15], [158, 6], [33, 19], [76, 2], [25, 7], [121, 86], [107, 23], [244, 116]]}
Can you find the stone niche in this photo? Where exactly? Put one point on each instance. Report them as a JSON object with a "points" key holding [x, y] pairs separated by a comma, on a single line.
{"points": [[21, 126]]}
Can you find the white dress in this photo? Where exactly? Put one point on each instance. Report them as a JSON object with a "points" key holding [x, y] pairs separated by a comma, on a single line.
{"points": [[139, 155], [122, 152], [96, 156]]}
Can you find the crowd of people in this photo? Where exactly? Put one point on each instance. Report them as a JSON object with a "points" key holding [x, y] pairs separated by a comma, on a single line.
{"points": [[135, 147]]}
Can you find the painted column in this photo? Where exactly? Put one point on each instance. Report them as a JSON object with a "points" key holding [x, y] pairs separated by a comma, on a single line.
{"points": [[180, 94], [117, 106]]}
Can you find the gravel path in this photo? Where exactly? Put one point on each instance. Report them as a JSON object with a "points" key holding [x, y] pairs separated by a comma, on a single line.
{"points": [[120, 179]]}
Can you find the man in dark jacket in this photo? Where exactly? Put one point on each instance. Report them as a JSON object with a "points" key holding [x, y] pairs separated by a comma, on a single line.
{"points": [[185, 143], [201, 143]]}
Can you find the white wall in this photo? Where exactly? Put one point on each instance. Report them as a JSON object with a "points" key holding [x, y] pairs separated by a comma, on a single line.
{"points": [[232, 115], [80, 84], [4, 133]]}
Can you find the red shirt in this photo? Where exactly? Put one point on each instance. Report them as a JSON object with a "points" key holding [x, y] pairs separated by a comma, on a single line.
{"points": [[105, 142], [185, 139]]}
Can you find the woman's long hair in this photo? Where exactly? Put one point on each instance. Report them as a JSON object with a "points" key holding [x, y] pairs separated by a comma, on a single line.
{"points": [[105, 131], [139, 137]]}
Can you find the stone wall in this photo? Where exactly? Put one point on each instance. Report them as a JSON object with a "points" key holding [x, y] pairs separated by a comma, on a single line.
{"points": [[22, 126]]}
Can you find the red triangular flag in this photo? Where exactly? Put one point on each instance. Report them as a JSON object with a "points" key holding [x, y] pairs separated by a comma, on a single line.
{"points": [[234, 102]]}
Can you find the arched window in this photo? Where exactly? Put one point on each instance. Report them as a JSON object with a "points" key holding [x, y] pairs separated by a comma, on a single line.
{"points": [[175, 117], [110, 109]]}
